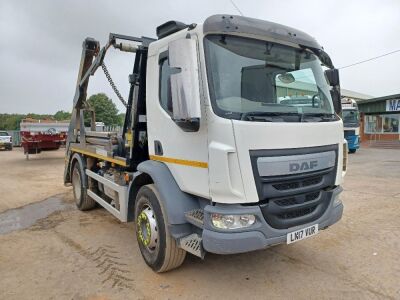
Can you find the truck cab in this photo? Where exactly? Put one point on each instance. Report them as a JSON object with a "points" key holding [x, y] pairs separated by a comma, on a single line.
{"points": [[230, 160]]}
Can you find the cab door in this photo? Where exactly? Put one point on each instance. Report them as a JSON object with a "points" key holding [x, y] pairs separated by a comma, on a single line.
{"points": [[172, 140]]}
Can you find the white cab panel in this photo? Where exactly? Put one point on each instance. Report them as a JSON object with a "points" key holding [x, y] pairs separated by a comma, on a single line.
{"points": [[176, 143], [226, 185]]}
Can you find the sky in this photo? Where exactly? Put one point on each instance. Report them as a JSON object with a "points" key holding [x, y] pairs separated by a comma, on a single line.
{"points": [[41, 40]]}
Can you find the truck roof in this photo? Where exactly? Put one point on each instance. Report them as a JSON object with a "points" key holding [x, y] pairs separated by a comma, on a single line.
{"points": [[243, 25], [256, 27], [348, 104]]}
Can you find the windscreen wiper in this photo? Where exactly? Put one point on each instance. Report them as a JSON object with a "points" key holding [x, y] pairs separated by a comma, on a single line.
{"points": [[266, 116], [322, 116]]}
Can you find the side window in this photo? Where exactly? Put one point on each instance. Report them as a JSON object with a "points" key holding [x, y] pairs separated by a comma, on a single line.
{"points": [[165, 85]]}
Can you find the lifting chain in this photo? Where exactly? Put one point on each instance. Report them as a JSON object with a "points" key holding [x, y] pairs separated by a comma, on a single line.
{"points": [[113, 86]]}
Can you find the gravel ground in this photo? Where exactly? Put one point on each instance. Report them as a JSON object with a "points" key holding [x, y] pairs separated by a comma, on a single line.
{"points": [[27, 181], [50, 250]]}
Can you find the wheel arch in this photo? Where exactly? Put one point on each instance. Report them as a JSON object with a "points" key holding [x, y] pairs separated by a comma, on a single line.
{"points": [[77, 158], [140, 180], [176, 202]]}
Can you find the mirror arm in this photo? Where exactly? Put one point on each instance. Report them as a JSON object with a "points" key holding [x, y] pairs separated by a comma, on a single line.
{"points": [[322, 55], [336, 99]]}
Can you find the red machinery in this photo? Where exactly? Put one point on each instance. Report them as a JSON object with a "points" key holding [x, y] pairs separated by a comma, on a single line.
{"points": [[42, 135]]}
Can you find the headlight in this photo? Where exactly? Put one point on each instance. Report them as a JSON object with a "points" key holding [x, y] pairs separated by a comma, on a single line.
{"points": [[232, 221]]}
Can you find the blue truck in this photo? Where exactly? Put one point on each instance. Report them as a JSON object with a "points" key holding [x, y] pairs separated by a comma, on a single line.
{"points": [[351, 123]]}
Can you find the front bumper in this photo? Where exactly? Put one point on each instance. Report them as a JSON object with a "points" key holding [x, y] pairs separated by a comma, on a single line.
{"points": [[6, 145], [260, 235], [353, 142]]}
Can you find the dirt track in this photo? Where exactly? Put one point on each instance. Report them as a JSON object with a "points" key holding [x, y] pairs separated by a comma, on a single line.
{"points": [[26, 181], [76, 255]]}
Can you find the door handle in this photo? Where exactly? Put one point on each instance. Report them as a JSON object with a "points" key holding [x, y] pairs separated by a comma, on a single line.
{"points": [[158, 150]]}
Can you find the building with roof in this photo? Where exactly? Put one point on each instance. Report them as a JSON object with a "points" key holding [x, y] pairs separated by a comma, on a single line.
{"points": [[380, 118], [354, 95]]}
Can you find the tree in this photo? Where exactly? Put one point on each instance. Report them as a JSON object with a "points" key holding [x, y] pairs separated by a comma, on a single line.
{"points": [[39, 116], [121, 119], [62, 115], [105, 109], [12, 121]]}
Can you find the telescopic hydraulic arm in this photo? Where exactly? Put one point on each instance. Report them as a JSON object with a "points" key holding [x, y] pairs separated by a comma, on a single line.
{"points": [[91, 59]]}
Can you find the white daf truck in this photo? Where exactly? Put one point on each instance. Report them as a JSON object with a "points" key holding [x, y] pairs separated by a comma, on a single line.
{"points": [[210, 160]]}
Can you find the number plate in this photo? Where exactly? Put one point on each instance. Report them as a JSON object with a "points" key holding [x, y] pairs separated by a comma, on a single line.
{"points": [[301, 234]]}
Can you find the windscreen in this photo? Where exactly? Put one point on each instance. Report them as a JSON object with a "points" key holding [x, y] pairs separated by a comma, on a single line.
{"points": [[256, 80], [351, 118]]}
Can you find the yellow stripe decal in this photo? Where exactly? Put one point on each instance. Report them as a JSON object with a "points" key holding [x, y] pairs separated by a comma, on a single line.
{"points": [[184, 162], [88, 153]]}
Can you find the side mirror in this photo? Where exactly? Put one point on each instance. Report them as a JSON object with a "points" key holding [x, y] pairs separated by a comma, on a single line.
{"points": [[333, 76], [185, 87], [336, 99]]}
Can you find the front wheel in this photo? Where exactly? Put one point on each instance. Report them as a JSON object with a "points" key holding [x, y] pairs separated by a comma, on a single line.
{"points": [[159, 249], [352, 150]]}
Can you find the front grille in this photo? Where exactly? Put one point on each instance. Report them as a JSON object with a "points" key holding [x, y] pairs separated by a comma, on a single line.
{"points": [[287, 186], [286, 202], [312, 181], [295, 210], [349, 133], [297, 213], [297, 184], [312, 196], [291, 199]]}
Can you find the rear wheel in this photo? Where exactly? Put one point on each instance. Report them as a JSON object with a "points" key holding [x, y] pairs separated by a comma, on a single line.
{"points": [[159, 249], [352, 150], [82, 200]]}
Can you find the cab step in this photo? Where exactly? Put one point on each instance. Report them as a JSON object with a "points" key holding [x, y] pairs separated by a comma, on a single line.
{"points": [[192, 244], [195, 217]]}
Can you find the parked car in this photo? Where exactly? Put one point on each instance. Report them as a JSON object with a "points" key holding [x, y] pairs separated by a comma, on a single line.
{"points": [[5, 140]]}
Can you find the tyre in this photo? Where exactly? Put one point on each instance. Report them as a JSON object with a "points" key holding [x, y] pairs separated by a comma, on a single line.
{"points": [[82, 200], [159, 249], [10, 148], [352, 150]]}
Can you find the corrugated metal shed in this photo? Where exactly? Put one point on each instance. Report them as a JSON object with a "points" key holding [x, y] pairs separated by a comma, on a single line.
{"points": [[16, 137], [375, 105]]}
